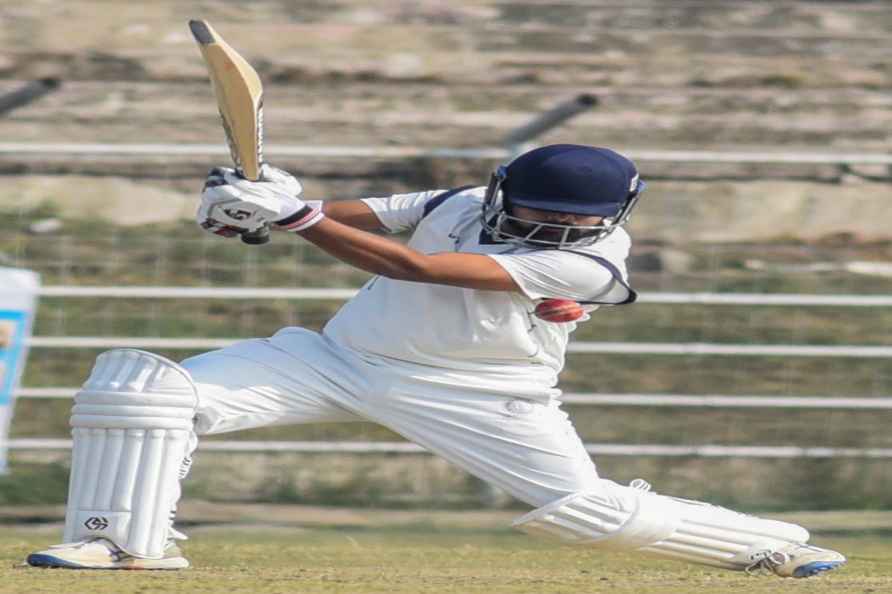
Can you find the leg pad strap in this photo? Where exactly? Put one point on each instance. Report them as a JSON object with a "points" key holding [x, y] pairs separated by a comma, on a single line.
{"points": [[613, 516]]}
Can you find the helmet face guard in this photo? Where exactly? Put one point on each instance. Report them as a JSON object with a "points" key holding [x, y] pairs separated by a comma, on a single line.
{"points": [[504, 226]]}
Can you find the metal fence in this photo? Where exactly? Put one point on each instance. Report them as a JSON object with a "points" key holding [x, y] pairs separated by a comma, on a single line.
{"points": [[599, 399]]}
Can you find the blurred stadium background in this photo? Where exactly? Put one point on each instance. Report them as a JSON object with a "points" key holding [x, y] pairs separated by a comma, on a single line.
{"points": [[754, 372]]}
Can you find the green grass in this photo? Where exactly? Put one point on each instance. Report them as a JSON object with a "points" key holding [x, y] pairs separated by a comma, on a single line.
{"points": [[419, 558]]}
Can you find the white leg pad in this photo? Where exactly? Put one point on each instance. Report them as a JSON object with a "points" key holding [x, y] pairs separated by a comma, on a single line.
{"points": [[624, 518], [132, 425]]}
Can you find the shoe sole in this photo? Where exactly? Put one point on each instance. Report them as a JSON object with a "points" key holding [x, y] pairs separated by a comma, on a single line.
{"points": [[48, 561], [51, 562], [816, 568]]}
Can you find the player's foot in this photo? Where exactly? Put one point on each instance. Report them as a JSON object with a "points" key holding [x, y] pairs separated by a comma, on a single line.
{"points": [[797, 560], [100, 553]]}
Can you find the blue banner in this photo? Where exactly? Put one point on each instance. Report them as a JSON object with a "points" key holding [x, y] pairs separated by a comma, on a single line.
{"points": [[12, 342]]}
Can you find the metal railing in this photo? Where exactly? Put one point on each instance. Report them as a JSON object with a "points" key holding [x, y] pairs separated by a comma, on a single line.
{"points": [[629, 399], [703, 298], [595, 449], [660, 400], [86, 151]]}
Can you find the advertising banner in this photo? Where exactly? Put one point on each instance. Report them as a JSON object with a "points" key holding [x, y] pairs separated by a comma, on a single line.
{"points": [[18, 301]]}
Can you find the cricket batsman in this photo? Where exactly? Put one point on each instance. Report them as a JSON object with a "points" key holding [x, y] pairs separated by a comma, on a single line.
{"points": [[443, 346]]}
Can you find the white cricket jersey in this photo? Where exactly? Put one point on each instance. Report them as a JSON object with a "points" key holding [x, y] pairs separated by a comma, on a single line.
{"points": [[471, 335]]}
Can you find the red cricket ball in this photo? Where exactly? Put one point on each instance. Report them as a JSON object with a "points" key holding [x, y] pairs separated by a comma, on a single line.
{"points": [[559, 310]]}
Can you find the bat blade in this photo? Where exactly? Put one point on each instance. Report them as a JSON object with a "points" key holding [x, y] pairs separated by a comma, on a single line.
{"points": [[239, 94]]}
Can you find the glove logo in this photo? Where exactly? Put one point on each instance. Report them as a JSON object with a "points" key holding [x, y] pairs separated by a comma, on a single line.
{"points": [[97, 523], [237, 214]]}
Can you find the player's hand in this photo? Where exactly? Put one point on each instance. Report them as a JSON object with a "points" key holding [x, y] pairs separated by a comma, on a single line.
{"points": [[284, 180], [231, 205]]}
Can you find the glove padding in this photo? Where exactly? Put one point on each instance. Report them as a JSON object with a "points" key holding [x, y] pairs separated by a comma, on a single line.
{"points": [[232, 205]]}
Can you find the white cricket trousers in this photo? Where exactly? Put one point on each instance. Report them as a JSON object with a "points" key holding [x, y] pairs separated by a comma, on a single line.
{"points": [[527, 448]]}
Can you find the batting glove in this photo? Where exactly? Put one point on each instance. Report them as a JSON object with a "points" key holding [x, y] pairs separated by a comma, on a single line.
{"points": [[231, 205]]}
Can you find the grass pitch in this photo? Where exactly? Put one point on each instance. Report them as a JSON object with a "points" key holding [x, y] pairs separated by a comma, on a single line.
{"points": [[423, 557]]}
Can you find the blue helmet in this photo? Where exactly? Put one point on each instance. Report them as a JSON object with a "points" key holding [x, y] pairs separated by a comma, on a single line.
{"points": [[561, 178]]}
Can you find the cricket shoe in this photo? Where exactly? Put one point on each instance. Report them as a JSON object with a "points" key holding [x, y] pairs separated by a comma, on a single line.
{"points": [[796, 560], [99, 553]]}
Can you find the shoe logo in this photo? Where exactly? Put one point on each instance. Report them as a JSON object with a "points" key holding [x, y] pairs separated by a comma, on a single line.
{"points": [[96, 523]]}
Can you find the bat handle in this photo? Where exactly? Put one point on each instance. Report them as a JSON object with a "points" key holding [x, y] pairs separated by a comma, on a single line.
{"points": [[256, 237]]}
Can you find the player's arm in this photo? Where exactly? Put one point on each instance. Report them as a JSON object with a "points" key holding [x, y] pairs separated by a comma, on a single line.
{"points": [[391, 259], [582, 276], [391, 214], [232, 205], [353, 213]]}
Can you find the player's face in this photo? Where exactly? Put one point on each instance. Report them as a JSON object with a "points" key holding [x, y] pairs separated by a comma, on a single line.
{"points": [[547, 216], [561, 218]]}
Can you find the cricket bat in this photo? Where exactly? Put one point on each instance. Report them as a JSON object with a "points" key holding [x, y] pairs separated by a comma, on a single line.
{"points": [[239, 94]]}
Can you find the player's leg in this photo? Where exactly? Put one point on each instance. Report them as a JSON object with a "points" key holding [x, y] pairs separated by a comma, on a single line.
{"points": [[616, 517], [132, 438], [134, 426], [291, 378], [531, 450]]}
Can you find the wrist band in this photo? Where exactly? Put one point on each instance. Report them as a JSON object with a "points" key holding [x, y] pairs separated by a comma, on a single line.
{"points": [[305, 218]]}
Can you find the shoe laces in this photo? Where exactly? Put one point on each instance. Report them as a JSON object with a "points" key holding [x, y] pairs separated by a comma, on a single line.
{"points": [[640, 484], [116, 553], [765, 561]]}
